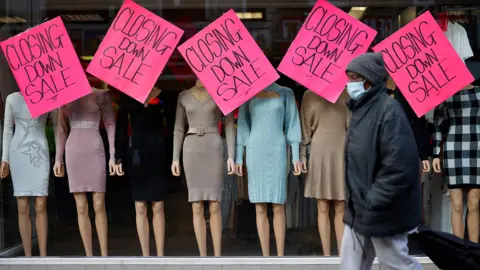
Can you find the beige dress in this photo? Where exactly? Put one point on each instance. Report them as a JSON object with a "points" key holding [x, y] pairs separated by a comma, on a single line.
{"points": [[196, 132], [324, 127]]}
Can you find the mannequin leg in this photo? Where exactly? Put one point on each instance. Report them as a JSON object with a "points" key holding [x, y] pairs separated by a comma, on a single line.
{"points": [[473, 198], [84, 224], [324, 225], [41, 224], [25, 225], [216, 227], [101, 222], [279, 227], [158, 222], [143, 228], [339, 226], [456, 201], [263, 228], [200, 227]]}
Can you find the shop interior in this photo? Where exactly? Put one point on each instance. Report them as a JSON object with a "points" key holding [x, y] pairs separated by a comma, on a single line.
{"points": [[273, 24]]}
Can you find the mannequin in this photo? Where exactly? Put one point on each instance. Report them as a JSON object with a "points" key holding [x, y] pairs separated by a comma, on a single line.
{"points": [[324, 127], [459, 115], [145, 159], [265, 125], [85, 159], [25, 153], [196, 131]]}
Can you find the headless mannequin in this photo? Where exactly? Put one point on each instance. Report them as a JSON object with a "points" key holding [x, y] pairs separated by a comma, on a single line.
{"points": [[279, 223], [199, 223], [23, 206], [158, 219], [323, 205], [84, 224], [456, 200], [24, 222]]}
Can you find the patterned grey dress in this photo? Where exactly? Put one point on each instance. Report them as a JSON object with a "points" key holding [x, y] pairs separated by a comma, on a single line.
{"points": [[26, 150], [458, 128]]}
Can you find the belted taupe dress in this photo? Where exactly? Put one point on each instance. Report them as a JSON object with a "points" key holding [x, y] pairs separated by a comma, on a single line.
{"points": [[197, 133]]}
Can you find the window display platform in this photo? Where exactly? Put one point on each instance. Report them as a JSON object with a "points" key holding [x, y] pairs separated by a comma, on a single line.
{"points": [[225, 263]]}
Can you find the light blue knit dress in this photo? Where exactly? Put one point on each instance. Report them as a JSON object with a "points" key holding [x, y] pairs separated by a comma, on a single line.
{"points": [[265, 126]]}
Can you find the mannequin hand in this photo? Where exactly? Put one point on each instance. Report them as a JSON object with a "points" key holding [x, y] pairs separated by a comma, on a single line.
{"points": [[304, 166], [231, 166], [436, 165], [58, 169], [176, 168], [297, 168], [4, 169], [119, 169], [426, 166], [111, 167], [239, 169]]}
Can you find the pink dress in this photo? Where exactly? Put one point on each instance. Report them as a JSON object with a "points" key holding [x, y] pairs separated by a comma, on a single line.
{"points": [[84, 150]]}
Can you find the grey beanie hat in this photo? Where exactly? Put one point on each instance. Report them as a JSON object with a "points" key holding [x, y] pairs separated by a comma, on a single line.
{"points": [[370, 66]]}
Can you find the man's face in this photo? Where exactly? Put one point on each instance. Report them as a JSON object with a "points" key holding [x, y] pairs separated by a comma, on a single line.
{"points": [[355, 77]]}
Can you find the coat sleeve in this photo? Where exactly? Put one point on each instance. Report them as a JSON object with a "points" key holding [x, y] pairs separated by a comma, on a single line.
{"points": [[243, 131], [399, 161]]}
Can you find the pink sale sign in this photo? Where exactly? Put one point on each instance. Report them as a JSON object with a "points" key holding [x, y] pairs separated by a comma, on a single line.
{"points": [[46, 67], [423, 64], [228, 61], [318, 56], [135, 50]]}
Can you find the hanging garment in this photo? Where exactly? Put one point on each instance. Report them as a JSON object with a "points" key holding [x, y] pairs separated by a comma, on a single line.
{"points": [[265, 126], [324, 127], [26, 150], [84, 151], [196, 132], [144, 160], [458, 121], [457, 35]]}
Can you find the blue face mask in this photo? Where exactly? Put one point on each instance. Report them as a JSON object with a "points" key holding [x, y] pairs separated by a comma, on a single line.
{"points": [[356, 89]]}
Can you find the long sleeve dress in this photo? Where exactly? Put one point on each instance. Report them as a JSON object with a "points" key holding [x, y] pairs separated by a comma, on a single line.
{"points": [[26, 149], [196, 132], [83, 146], [144, 156], [324, 127], [265, 127], [457, 123]]}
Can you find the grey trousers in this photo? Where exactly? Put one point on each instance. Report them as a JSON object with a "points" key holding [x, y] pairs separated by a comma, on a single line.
{"points": [[358, 252]]}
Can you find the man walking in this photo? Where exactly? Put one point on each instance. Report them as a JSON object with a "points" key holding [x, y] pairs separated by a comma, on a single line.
{"points": [[383, 200]]}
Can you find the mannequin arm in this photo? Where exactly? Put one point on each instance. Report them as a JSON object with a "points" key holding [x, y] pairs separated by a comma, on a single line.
{"points": [[179, 129], [440, 119], [105, 103], [423, 142], [398, 161], [7, 130], [292, 125], [230, 134], [307, 120], [61, 133], [243, 131]]}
